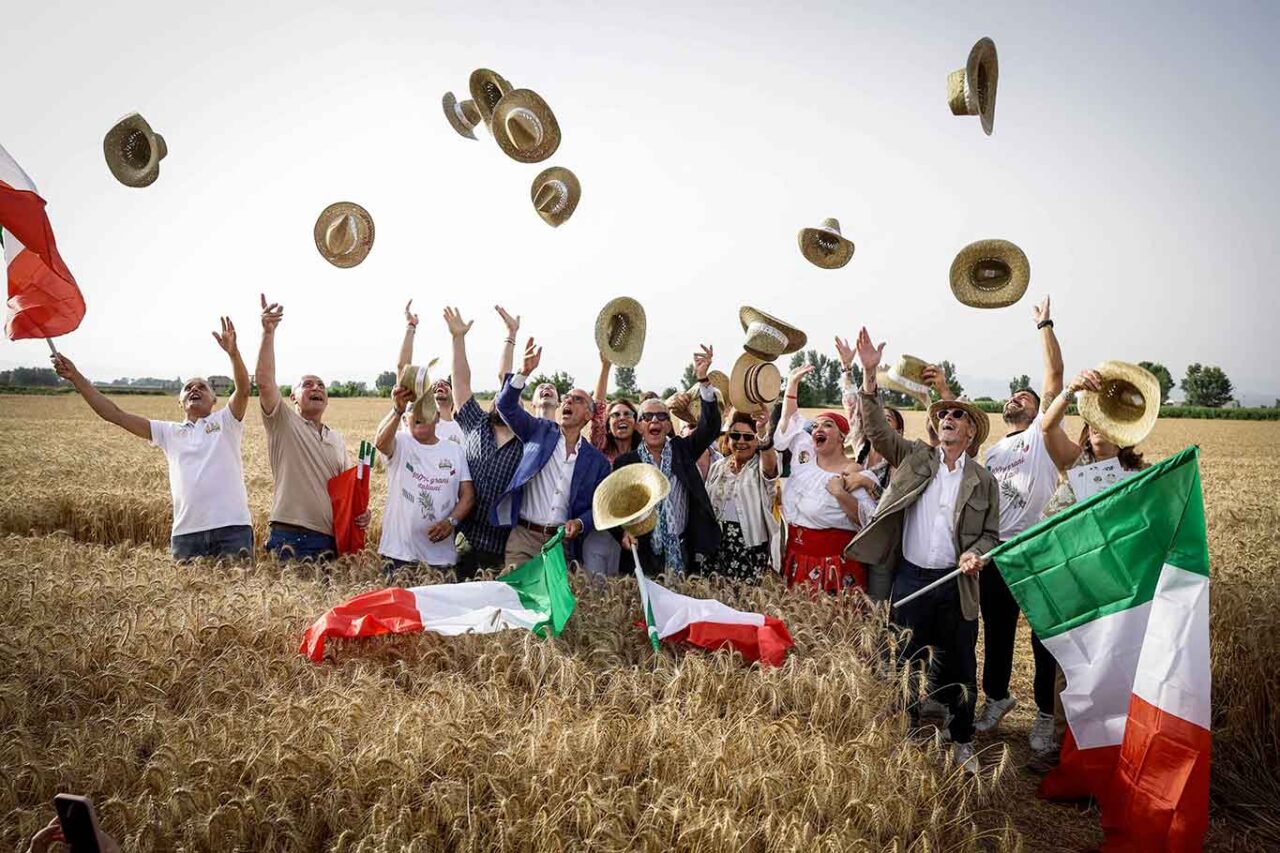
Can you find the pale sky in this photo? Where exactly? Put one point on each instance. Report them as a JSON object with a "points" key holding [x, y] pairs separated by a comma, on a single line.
{"points": [[1133, 160]]}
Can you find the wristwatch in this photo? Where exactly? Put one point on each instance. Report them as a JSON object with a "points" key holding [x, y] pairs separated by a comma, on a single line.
{"points": [[453, 522]]}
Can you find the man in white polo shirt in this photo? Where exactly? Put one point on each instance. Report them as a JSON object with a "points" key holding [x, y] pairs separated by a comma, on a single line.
{"points": [[206, 477]]}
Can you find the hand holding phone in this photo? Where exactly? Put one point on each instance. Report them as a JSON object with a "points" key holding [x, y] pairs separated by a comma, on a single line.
{"points": [[79, 823]]}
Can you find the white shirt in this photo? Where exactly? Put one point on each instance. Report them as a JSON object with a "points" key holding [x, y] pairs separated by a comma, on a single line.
{"points": [[546, 496], [929, 530], [450, 431], [423, 481], [1026, 475], [206, 477], [805, 499]]}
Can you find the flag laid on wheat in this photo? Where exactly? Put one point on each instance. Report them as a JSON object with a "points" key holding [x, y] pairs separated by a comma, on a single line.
{"points": [[710, 624], [535, 597], [1117, 588], [43, 301], [349, 494]]}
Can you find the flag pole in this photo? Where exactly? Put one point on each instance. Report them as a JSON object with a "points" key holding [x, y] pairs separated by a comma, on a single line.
{"points": [[939, 582], [644, 600], [52, 348]]}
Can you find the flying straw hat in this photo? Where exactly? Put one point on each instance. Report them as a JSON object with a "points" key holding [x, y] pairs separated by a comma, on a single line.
{"points": [[824, 246], [1127, 407], [906, 376], [620, 330], [979, 418], [463, 117], [525, 127], [627, 498], [767, 336], [990, 274], [487, 88], [972, 89], [555, 193], [344, 233], [417, 380], [134, 151], [687, 405], [754, 383]]}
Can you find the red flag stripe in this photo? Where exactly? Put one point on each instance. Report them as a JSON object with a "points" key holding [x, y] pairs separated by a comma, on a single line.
{"points": [[767, 643], [44, 300], [384, 611]]}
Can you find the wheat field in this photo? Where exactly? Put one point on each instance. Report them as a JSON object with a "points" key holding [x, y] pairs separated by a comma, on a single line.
{"points": [[176, 699]]}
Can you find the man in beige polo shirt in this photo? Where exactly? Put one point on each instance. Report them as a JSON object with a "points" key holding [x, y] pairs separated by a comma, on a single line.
{"points": [[304, 453]]}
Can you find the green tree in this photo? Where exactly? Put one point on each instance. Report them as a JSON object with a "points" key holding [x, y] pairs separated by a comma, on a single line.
{"points": [[1161, 373], [953, 381], [1019, 383], [689, 378], [39, 377], [385, 382], [667, 392], [1206, 385], [626, 381], [563, 382]]}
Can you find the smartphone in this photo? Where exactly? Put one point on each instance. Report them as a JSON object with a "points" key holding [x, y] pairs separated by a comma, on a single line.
{"points": [[78, 821]]}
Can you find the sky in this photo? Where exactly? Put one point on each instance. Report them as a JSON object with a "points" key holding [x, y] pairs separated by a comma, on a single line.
{"points": [[1132, 160]]}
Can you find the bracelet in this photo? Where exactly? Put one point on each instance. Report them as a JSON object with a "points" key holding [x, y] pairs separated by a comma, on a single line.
{"points": [[1044, 324], [791, 396], [511, 341], [411, 328], [399, 412]]}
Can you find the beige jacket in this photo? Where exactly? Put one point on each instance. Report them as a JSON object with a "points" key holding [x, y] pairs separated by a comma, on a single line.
{"points": [[977, 522]]}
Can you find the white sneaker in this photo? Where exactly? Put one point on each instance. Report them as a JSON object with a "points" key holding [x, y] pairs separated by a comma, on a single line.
{"points": [[993, 712], [965, 759], [1041, 738]]}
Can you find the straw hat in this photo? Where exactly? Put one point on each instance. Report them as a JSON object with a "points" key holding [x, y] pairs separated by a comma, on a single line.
{"points": [[990, 274], [487, 88], [906, 376], [971, 91], [344, 233], [978, 417], [754, 383], [620, 328], [462, 116], [418, 380], [689, 403], [627, 498], [767, 336], [824, 246], [134, 151], [555, 193], [525, 127], [1127, 407]]}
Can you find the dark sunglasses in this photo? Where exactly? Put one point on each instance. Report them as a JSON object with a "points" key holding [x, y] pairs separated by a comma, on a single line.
{"points": [[954, 414], [622, 413], [660, 417], [742, 436]]}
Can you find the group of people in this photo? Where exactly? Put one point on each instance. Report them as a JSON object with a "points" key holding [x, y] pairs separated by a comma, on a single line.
{"points": [[861, 505]]}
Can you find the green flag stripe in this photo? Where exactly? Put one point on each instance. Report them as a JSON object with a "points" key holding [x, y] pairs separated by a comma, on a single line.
{"points": [[652, 625], [1104, 555], [543, 586]]}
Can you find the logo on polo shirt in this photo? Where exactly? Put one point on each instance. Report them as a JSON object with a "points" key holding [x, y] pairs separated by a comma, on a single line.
{"points": [[804, 456], [212, 426]]}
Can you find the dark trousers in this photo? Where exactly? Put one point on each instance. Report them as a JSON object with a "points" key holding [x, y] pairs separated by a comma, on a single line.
{"points": [[295, 543], [234, 541], [999, 628], [935, 620]]}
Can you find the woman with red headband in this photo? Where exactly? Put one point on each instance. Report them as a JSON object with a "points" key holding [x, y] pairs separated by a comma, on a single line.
{"points": [[825, 501]]}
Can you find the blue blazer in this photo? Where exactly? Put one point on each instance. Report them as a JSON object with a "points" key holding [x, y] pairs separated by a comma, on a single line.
{"points": [[540, 437]]}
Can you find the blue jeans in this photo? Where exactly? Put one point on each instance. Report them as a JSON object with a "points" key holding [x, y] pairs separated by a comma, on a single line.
{"points": [[234, 541], [288, 544]]}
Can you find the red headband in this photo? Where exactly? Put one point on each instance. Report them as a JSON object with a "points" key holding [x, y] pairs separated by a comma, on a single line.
{"points": [[841, 422]]}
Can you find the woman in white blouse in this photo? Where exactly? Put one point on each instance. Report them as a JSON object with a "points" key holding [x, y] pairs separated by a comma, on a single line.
{"points": [[741, 485], [825, 501]]}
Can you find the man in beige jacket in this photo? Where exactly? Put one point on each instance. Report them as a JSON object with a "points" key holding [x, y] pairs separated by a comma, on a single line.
{"points": [[942, 508]]}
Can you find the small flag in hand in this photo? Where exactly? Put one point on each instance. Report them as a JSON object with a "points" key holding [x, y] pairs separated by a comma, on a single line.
{"points": [[349, 493]]}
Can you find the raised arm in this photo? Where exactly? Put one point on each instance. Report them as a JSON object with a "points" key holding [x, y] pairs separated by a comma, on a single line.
{"points": [[768, 456], [875, 426], [937, 377], [508, 403], [1052, 385], [791, 402], [849, 395], [1061, 448], [240, 397], [602, 381], [461, 367], [508, 359], [406, 345], [104, 408], [265, 372], [385, 437], [708, 428]]}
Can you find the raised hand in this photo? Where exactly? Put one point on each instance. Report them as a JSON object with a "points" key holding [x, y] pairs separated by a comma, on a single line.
{"points": [[64, 367], [532, 358], [226, 340], [453, 319], [868, 353], [272, 314], [702, 362], [1041, 311], [401, 397], [761, 420], [1086, 380], [845, 352], [797, 374], [513, 323], [410, 317], [935, 376]]}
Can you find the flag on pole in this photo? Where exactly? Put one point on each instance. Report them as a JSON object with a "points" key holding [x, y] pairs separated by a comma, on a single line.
{"points": [[710, 624], [43, 301], [349, 494], [1117, 588], [536, 597]]}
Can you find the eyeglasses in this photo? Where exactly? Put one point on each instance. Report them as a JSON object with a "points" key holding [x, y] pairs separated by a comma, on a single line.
{"points": [[577, 400], [954, 414], [622, 414], [660, 417], [742, 436]]}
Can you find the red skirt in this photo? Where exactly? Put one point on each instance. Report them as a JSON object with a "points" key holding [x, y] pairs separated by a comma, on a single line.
{"points": [[816, 557]]}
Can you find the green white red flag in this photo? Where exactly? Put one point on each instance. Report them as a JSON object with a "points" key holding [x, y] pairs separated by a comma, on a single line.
{"points": [[1117, 588]]}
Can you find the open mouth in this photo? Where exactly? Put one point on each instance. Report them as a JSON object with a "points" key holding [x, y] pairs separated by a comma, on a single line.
{"points": [[820, 439]]}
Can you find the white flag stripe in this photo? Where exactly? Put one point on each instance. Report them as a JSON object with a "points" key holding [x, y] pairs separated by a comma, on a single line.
{"points": [[11, 173], [1173, 672], [673, 612], [478, 607]]}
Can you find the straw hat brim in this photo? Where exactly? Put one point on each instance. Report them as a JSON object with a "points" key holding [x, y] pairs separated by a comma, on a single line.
{"points": [[979, 417], [572, 188], [627, 495], [529, 100], [886, 379], [628, 355], [982, 54], [475, 85], [796, 339], [1093, 406], [452, 113], [121, 169], [364, 231], [965, 287], [719, 381], [424, 404], [738, 396], [820, 257]]}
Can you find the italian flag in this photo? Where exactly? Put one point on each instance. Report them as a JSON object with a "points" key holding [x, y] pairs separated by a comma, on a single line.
{"points": [[534, 597], [1117, 588], [710, 624]]}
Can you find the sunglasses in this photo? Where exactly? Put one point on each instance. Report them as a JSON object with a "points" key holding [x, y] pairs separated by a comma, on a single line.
{"points": [[742, 436], [954, 414], [660, 417], [621, 415]]}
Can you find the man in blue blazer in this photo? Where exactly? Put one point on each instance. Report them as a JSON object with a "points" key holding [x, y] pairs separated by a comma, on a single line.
{"points": [[558, 471]]}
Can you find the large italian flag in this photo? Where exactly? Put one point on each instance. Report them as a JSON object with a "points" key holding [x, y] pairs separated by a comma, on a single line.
{"points": [[1117, 588], [534, 597]]}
